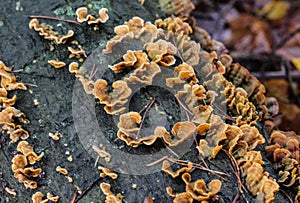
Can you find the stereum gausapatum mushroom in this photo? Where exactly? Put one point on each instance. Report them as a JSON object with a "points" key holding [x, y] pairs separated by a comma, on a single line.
{"points": [[205, 87]]}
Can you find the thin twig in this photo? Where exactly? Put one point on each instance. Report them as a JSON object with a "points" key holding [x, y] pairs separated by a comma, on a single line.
{"points": [[287, 195], [203, 161], [73, 198], [168, 148], [186, 110], [96, 162], [198, 166], [236, 197], [93, 72], [144, 116], [290, 81], [87, 189], [17, 71], [224, 114], [32, 85], [54, 18], [286, 39], [237, 173], [157, 161]]}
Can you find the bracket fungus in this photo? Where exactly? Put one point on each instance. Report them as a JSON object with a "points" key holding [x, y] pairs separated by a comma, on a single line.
{"points": [[76, 53], [114, 100], [82, 16], [107, 172], [282, 146], [27, 150], [110, 197], [8, 80], [22, 172], [196, 190], [166, 167], [129, 129], [174, 24], [62, 170], [144, 74], [38, 198], [47, 31], [57, 63], [284, 151]]}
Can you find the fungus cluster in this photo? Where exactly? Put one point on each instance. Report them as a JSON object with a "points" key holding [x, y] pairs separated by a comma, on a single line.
{"points": [[201, 102], [22, 165], [284, 151], [196, 190], [110, 197], [9, 115], [205, 81]]}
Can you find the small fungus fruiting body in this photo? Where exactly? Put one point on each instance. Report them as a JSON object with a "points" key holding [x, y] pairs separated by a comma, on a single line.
{"points": [[10, 191], [55, 136], [52, 197], [62, 170], [38, 198], [57, 63], [107, 172]]}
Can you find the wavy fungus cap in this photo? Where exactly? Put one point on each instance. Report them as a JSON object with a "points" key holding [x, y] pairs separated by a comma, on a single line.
{"points": [[8, 80], [110, 197], [57, 63], [107, 172], [47, 31], [166, 167], [82, 16], [114, 100]]}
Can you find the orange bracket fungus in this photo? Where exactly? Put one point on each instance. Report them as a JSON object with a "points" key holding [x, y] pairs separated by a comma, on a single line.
{"points": [[57, 63], [47, 31], [196, 190], [22, 172], [82, 16], [107, 172], [62, 170], [167, 169], [110, 197], [38, 198]]}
